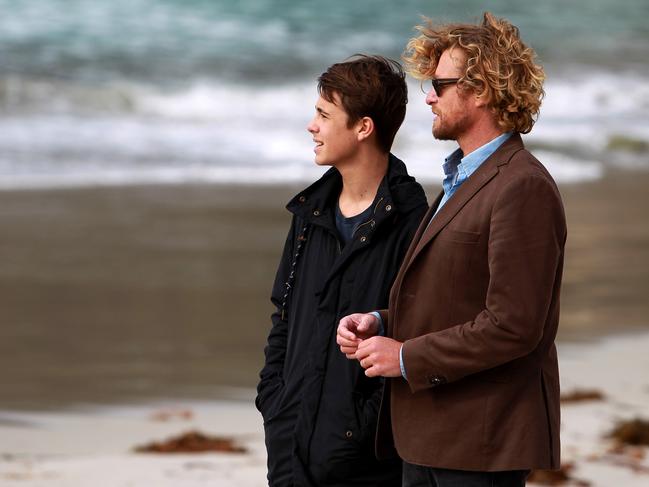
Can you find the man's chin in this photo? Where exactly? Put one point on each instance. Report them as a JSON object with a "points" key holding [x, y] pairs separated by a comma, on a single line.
{"points": [[442, 135]]}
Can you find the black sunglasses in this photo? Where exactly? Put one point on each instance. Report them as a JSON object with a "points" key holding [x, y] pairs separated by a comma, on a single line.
{"points": [[438, 83]]}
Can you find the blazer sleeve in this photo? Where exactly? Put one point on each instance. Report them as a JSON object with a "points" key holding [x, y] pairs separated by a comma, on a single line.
{"points": [[525, 258], [275, 351]]}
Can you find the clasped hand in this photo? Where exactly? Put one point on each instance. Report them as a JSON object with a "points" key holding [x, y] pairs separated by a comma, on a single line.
{"points": [[357, 338]]}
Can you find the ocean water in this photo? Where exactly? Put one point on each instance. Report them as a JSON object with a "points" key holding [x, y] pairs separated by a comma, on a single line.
{"points": [[169, 91]]}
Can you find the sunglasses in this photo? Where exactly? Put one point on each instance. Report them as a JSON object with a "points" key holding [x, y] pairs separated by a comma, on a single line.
{"points": [[438, 83]]}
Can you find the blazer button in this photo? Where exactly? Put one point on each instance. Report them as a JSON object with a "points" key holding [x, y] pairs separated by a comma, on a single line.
{"points": [[349, 433], [316, 213], [388, 208], [436, 380], [363, 239]]}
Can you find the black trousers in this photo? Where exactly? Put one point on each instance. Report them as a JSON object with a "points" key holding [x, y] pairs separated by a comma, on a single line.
{"points": [[418, 476]]}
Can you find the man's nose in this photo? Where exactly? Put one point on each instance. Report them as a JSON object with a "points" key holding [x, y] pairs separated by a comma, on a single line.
{"points": [[431, 96], [311, 127]]}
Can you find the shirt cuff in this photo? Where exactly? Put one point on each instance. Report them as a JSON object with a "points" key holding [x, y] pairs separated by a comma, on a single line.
{"points": [[381, 331], [403, 368]]}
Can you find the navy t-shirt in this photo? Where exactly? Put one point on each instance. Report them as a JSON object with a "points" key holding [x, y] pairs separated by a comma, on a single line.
{"points": [[347, 226]]}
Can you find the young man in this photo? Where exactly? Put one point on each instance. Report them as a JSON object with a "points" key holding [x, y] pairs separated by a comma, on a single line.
{"points": [[349, 232], [473, 398]]}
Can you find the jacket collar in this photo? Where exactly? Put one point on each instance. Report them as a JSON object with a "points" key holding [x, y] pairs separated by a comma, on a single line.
{"points": [[397, 192]]}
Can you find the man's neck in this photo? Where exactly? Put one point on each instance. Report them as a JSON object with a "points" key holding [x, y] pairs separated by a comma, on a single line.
{"points": [[361, 181], [481, 133]]}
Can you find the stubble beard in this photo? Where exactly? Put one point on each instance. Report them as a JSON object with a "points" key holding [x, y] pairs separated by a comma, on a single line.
{"points": [[449, 131], [441, 132]]}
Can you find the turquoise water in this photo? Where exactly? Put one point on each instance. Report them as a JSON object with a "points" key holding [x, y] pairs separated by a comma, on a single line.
{"points": [[169, 91], [248, 40]]}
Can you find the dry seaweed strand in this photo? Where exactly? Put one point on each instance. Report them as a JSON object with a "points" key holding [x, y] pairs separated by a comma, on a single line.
{"points": [[582, 395], [634, 432], [557, 477], [192, 442]]}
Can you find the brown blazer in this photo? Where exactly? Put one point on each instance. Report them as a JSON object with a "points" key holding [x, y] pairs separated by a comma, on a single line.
{"points": [[476, 302]]}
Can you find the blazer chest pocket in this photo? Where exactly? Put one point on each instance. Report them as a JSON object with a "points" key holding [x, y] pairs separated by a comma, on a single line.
{"points": [[459, 236]]}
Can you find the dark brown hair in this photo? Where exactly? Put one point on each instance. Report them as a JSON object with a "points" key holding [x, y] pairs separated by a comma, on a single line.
{"points": [[499, 66], [369, 86]]}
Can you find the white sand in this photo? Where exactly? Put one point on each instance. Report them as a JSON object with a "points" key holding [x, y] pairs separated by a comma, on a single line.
{"points": [[94, 447]]}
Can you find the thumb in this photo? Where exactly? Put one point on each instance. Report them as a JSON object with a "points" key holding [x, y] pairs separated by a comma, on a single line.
{"points": [[366, 322]]}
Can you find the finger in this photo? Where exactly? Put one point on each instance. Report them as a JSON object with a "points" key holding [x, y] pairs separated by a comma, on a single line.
{"points": [[372, 371], [349, 351], [366, 344], [361, 354], [344, 331], [346, 342]]}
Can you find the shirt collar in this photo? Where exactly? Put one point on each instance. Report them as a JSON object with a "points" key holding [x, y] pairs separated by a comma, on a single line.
{"points": [[466, 165]]}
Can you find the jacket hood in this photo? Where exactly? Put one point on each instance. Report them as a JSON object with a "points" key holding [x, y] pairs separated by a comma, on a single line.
{"points": [[397, 187]]}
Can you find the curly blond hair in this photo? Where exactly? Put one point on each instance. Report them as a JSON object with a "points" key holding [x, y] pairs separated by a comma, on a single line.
{"points": [[499, 67]]}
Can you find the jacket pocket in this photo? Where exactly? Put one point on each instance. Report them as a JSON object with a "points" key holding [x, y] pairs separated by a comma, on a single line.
{"points": [[340, 448], [459, 236], [268, 402]]}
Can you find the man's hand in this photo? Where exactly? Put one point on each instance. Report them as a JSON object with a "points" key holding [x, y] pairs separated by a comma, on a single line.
{"points": [[353, 329], [379, 356]]}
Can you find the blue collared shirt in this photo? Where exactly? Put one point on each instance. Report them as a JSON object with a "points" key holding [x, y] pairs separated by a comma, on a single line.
{"points": [[457, 169]]}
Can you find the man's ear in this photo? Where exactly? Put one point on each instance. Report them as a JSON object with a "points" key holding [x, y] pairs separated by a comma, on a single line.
{"points": [[479, 101], [365, 127]]}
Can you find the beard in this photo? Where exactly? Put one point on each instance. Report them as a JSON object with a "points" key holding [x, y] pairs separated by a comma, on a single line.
{"points": [[450, 127], [453, 119]]}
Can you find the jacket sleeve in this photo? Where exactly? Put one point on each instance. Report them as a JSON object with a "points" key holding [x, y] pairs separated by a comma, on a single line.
{"points": [[525, 256], [275, 350]]}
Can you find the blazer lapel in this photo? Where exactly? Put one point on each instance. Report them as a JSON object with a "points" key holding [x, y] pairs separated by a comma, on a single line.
{"points": [[465, 192], [423, 226], [411, 249]]}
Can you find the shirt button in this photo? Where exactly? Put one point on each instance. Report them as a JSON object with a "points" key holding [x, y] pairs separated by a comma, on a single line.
{"points": [[301, 199], [388, 208], [349, 433], [316, 212], [363, 239]]}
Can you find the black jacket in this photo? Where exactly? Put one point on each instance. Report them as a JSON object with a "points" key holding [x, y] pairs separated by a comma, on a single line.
{"points": [[319, 408]]}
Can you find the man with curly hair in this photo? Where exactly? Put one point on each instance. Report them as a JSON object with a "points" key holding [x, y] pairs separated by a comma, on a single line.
{"points": [[467, 343]]}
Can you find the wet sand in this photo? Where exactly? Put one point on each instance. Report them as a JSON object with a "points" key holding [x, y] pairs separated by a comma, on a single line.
{"points": [[114, 295]]}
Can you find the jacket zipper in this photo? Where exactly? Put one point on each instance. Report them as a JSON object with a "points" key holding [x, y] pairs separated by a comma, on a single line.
{"points": [[371, 218]]}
